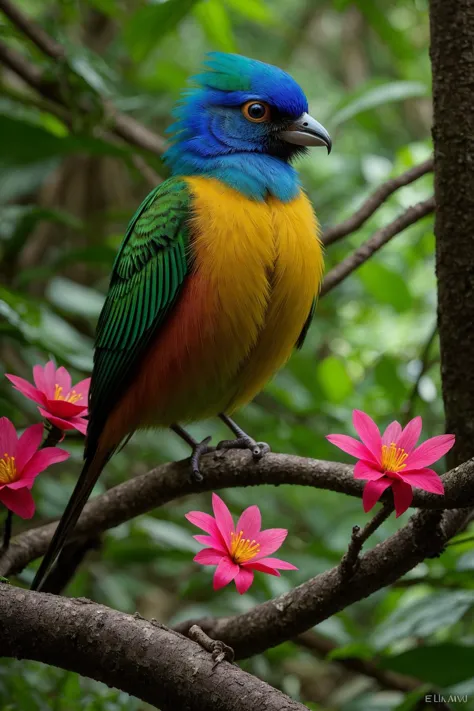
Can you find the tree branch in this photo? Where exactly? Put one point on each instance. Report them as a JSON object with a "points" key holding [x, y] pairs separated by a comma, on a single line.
{"points": [[144, 659], [379, 238], [125, 127], [46, 44], [223, 469], [367, 209], [289, 615], [452, 56]]}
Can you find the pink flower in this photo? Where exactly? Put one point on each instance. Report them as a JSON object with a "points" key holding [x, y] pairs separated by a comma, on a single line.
{"points": [[237, 550], [21, 461], [392, 459], [62, 405]]}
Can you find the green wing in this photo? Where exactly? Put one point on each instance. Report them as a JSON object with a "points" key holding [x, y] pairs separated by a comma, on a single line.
{"points": [[147, 276], [307, 324]]}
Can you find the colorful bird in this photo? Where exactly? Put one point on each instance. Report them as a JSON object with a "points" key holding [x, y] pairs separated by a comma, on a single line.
{"points": [[216, 279]]}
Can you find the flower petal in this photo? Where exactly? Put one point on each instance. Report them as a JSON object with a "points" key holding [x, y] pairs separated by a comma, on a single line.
{"points": [[205, 521], [66, 410], [392, 433], [28, 443], [224, 519], [208, 556], [19, 501], [429, 452], [82, 388], [49, 379], [270, 541], [364, 470], [8, 438], [40, 461], [368, 432], [26, 389], [63, 379], [243, 580], [402, 496], [211, 542], [410, 435], [262, 568], [38, 377], [73, 423], [226, 571], [373, 490], [351, 446], [425, 479], [274, 563], [250, 522]]}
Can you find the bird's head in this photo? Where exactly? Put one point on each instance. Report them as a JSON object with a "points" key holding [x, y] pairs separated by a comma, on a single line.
{"points": [[242, 106]]}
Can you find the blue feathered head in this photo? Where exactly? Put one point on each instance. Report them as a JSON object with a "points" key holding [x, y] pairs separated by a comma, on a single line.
{"points": [[240, 106]]}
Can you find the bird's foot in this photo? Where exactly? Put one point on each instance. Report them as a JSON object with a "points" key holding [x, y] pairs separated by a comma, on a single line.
{"points": [[242, 440], [199, 450], [258, 449]]}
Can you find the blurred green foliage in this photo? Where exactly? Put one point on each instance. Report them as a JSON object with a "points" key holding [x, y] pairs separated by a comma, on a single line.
{"points": [[66, 194]]}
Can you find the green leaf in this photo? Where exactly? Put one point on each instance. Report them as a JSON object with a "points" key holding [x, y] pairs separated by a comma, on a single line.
{"points": [[93, 69], [441, 664], [423, 617], [19, 220], [354, 649], [150, 24], [39, 326], [216, 24], [24, 143], [385, 285], [374, 97], [334, 379], [386, 375], [254, 10], [411, 700]]}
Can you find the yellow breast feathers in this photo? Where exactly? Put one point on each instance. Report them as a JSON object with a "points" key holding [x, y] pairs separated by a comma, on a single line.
{"points": [[262, 263]]}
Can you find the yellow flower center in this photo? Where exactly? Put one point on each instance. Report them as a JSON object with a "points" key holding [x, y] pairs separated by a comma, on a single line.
{"points": [[242, 549], [393, 457], [8, 472], [70, 397]]}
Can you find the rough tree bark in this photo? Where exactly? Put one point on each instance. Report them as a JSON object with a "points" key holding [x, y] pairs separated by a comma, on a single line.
{"points": [[143, 658], [452, 56]]}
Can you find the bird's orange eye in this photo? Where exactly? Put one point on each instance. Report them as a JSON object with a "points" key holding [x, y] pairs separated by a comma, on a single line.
{"points": [[256, 111]]}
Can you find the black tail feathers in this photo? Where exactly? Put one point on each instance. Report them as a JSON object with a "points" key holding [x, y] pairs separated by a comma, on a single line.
{"points": [[90, 473]]}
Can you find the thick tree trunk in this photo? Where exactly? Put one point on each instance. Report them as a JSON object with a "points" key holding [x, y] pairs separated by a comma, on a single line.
{"points": [[452, 55]]}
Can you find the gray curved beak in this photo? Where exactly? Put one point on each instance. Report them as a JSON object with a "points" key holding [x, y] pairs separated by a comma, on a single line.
{"points": [[306, 131]]}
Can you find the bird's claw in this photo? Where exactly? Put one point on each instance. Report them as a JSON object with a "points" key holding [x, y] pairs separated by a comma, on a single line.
{"points": [[199, 450], [258, 449]]}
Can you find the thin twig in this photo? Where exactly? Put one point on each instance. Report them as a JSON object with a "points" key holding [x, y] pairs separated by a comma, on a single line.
{"points": [[54, 437], [123, 126], [350, 560], [367, 209], [150, 175], [372, 245], [7, 530], [46, 44]]}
